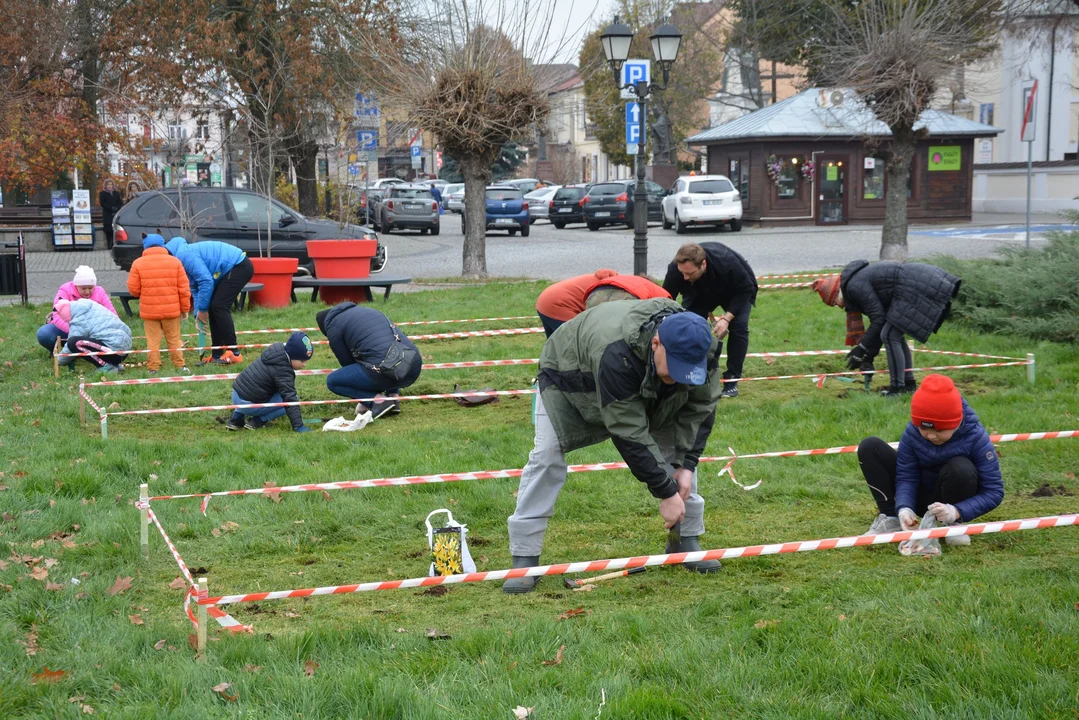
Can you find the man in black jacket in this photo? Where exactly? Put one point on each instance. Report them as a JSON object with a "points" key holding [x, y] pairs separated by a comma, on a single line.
{"points": [[377, 359], [271, 379], [711, 275]]}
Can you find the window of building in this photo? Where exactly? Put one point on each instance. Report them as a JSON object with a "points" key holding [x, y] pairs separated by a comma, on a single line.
{"points": [[202, 129], [177, 132], [873, 178], [787, 183], [739, 175]]}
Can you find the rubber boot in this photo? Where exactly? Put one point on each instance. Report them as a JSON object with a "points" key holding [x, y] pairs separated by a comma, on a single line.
{"points": [[518, 586], [692, 544]]}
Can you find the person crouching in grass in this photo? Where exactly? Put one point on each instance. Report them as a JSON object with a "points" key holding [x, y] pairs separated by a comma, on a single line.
{"points": [[946, 465], [271, 379]]}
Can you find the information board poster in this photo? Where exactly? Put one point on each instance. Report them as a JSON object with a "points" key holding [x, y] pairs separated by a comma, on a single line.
{"points": [[83, 228], [61, 219]]}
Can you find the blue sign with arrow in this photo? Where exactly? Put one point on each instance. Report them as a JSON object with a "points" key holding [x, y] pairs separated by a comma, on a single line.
{"points": [[633, 123]]}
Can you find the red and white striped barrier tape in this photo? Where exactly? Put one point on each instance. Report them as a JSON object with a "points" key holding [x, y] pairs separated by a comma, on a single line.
{"points": [[821, 376], [433, 336], [784, 286], [1039, 523], [223, 618], [795, 275], [326, 371], [588, 467], [407, 323]]}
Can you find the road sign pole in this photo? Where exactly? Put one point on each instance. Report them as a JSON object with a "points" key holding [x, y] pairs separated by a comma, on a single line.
{"points": [[1030, 172], [640, 193]]}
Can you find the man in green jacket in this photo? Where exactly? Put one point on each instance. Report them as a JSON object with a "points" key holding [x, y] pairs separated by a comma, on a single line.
{"points": [[644, 374]]}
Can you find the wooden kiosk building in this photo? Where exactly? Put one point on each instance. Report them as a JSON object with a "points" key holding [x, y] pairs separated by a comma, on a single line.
{"points": [[818, 158]]}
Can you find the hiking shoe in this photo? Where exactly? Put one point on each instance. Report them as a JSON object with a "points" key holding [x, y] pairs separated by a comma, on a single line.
{"points": [[521, 585], [112, 368], [896, 391], [252, 423], [884, 524], [692, 544], [730, 390], [232, 358], [236, 422], [185, 370], [152, 372], [384, 407]]}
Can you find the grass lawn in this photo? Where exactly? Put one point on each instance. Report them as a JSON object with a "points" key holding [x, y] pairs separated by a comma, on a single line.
{"points": [[985, 631]]}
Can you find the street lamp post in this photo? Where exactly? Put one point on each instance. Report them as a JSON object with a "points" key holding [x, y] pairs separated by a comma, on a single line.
{"points": [[616, 41]]}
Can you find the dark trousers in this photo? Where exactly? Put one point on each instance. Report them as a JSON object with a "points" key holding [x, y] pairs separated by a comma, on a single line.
{"points": [[956, 481], [738, 335], [226, 290], [81, 344], [899, 358], [106, 225], [550, 324]]}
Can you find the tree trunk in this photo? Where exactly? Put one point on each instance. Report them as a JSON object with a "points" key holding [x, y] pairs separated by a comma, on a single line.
{"points": [[305, 157], [476, 174], [893, 244], [90, 76]]}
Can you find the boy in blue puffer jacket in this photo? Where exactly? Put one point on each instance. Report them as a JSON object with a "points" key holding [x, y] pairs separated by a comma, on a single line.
{"points": [[94, 329], [217, 272], [946, 466]]}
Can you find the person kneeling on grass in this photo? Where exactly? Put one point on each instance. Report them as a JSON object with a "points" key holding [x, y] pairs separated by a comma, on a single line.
{"points": [[94, 329], [271, 379], [946, 465], [377, 359]]}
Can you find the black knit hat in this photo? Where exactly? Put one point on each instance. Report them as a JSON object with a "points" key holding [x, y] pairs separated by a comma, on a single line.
{"points": [[321, 320]]}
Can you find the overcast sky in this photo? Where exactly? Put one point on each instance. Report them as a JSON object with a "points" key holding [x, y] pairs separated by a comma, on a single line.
{"points": [[571, 21]]}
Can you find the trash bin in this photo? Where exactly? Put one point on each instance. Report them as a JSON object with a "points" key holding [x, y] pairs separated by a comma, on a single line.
{"points": [[10, 274]]}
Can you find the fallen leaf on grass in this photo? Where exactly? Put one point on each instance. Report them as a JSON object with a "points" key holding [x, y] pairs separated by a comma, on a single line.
{"points": [[216, 532], [522, 713], [86, 709], [762, 623], [119, 586], [116, 687], [193, 641], [574, 613], [36, 544], [329, 498], [39, 573], [7, 517], [31, 642], [178, 584], [557, 658], [68, 544], [3, 565], [769, 360], [135, 619], [483, 559], [842, 618], [160, 644], [274, 495], [47, 676], [435, 634], [252, 668], [229, 526], [77, 698], [291, 614], [49, 562], [309, 668], [222, 691], [401, 630], [55, 587]]}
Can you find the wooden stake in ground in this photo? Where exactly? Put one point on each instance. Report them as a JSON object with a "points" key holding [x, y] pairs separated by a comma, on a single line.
{"points": [[144, 520], [203, 594]]}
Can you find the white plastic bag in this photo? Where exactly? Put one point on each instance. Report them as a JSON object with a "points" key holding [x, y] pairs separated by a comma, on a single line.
{"points": [[928, 547], [342, 425], [449, 546]]}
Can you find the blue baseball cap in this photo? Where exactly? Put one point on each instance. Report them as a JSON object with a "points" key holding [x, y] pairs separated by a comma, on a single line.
{"points": [[687, 339]]}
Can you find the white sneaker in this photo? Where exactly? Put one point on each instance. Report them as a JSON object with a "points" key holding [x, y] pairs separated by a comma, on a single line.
{"points": [[884, 524]]}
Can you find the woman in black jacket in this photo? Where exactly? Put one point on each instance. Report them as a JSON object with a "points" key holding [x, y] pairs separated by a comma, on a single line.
{"points": [[110, 201], [900, 299]]}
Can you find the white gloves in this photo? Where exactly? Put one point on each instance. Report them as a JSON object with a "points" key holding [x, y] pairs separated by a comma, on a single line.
{"points": [[944, 513], [908, 519]]}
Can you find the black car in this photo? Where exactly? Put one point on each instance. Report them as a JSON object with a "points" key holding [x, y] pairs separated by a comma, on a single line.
{"points": [[567, 205], [237, 217], [611, 203]]}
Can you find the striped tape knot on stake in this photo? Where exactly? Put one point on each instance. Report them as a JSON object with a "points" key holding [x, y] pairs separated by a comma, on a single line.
{"points": [[1039, 523]]}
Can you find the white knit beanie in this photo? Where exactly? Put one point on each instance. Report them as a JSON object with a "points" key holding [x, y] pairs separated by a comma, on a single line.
{"points": [[84, 275]]}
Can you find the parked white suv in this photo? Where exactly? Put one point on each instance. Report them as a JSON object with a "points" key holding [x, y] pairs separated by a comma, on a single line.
{"points": [[702, 200]]}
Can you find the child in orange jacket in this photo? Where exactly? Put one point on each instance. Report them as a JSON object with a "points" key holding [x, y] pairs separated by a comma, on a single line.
{"points": [[159, 281]]}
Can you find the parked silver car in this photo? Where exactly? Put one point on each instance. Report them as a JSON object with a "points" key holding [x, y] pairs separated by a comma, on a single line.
{"points": [[410, 207], [539, 201], [453, 197]]}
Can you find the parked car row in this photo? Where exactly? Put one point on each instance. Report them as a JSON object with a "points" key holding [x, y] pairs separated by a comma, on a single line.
{"points": [[506, 209]]}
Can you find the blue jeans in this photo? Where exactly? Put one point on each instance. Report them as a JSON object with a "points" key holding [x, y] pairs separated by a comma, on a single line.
{"points": [[263, 414], [357, 382], [47, 334]]}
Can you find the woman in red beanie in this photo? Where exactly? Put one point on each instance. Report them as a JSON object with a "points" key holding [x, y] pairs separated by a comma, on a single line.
{"points": [[945, 468]]}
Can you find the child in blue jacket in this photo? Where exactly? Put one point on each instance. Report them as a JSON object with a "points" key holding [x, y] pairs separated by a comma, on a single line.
{"points": [[945, 466], [218, 273]]}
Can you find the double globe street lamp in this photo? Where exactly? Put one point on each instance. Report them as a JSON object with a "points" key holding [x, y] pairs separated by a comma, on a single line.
{"points": [[616, 41]]}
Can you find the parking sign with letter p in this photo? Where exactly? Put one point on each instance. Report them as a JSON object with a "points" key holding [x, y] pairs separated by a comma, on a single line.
{"points": [[633, 72]]}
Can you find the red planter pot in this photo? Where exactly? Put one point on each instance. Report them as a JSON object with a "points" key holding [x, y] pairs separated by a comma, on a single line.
{"points": [[275, 274], [342, 259]]}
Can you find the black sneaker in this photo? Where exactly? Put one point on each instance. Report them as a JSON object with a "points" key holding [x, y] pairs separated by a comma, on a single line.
{"points": [[730, 390], [252, 423], [896, 391], [383, 407], [236, 422]]}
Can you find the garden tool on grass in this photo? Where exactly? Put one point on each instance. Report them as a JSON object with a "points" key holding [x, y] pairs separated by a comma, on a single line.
{"points": [[572, 584]]}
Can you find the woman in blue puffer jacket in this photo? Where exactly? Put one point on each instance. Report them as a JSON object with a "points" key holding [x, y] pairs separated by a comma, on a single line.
{"points": [[94, 329], [946, 467]]}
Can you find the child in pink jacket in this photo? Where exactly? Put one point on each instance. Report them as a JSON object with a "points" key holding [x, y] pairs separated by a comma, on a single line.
{"points": [[83, 287]]}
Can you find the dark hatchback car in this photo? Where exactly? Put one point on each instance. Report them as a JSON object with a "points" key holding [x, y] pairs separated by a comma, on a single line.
{"points": [[611, 203], [237, 217], [566, 206]]}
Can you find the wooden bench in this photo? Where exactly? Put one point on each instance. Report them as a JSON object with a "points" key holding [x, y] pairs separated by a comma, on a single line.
{"points": [[378, 281], [125, 297]]}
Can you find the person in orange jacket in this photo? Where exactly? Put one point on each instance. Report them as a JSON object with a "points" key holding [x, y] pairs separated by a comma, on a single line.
{"points": [[159, 281], [568, 298]]}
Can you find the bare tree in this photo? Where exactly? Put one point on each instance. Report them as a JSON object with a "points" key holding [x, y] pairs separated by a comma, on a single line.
{"points": [[470, 78], [895, 54]]}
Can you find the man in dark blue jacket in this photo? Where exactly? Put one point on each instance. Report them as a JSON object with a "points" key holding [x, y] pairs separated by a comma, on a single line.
{"points": [[377, 359], [946, 465]]}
